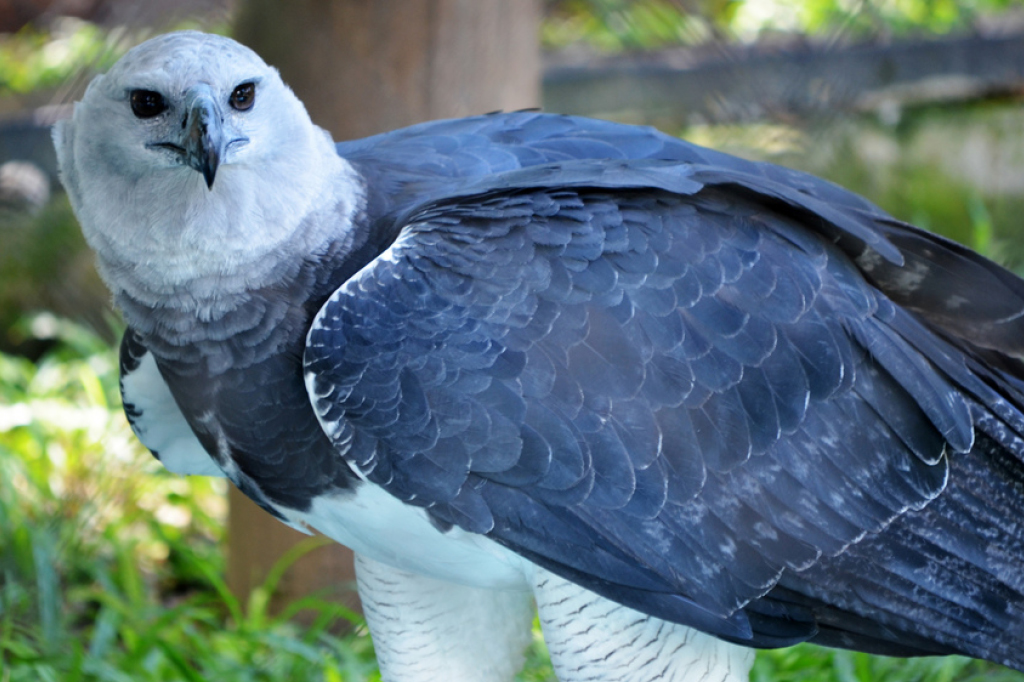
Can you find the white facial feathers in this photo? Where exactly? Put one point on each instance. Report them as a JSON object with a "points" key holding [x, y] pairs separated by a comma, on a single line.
{"points": [[128, 158]]}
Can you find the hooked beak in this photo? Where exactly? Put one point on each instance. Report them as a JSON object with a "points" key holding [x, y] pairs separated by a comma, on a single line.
{"points": [[205, 137], [204, 140]]}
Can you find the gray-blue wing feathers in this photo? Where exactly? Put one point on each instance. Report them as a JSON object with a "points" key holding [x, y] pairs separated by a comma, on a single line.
{"points": [[590, 378], [697, 386]]}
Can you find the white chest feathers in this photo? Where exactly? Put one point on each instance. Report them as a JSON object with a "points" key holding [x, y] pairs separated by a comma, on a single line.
{"points": [[159, 423], [376, 524]]}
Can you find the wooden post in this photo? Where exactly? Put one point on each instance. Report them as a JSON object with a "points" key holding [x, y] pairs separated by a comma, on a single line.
{"points": [[364, 67], [367, 66]]}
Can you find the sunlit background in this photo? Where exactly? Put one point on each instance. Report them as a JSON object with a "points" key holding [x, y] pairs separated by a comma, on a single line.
{"points": [[112, 569]]}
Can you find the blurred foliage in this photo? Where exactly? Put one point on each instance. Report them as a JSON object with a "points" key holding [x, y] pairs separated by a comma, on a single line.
{"points": [[50, 55], [617, 25], [808, 663], [45, 265], [110, 567], [958, 171], [37, 58], [886, 17]]}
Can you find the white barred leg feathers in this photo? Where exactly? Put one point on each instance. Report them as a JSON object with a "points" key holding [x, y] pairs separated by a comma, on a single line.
{"points": [[427, 630], [594, 639]]}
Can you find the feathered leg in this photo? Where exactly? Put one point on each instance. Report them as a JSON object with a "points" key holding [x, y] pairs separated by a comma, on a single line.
{"points": [[425, 630], [591, 638]]}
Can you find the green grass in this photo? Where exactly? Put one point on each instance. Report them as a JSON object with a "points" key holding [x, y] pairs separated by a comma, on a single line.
{"points": [[111, 569]]}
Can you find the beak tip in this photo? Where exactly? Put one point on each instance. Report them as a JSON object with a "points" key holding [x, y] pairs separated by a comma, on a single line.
{"points": [[203, 138], [208, 165]]}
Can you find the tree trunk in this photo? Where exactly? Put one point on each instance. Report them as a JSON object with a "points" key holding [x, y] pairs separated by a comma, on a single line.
{"points": [[363, 67], [367, 66]]}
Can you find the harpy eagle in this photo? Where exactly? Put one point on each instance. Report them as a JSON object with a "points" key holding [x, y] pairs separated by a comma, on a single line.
{"points": [[687, 404]]}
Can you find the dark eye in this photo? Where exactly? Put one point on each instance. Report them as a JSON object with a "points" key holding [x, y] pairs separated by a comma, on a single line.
{"points": [[147, 103], [243, 96]]}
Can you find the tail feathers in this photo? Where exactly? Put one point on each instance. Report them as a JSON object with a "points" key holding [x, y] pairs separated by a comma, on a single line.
{"points": [[967, 296], [948, 578], [844, 629]]}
